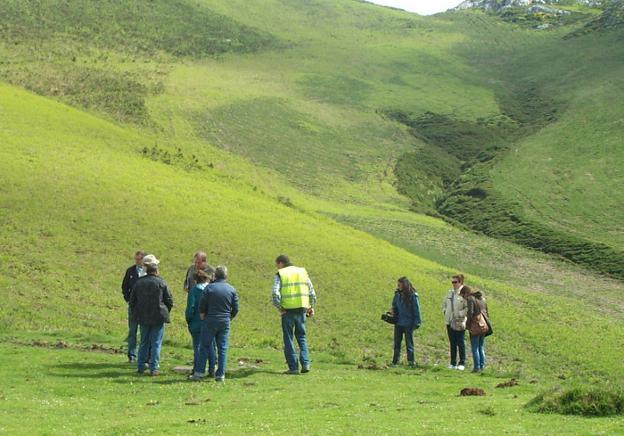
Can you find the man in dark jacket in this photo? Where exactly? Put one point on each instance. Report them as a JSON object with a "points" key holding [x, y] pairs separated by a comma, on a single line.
{"points": [[218, 306], [150, 303], [132, 275]]}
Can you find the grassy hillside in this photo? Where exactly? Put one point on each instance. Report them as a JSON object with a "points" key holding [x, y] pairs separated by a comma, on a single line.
{"points": [[78, 203], [317, 135]]}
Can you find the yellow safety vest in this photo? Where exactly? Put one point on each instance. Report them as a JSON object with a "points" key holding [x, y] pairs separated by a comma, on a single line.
{"points": [[294, 291]]}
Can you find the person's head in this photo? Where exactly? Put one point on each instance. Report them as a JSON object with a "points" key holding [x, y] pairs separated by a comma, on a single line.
{"points": [[465, 292], [201, 276], [404, 286], [457, 281], [221, 272], [150, 263], [282, 261], [138, 257], [199, 259]]}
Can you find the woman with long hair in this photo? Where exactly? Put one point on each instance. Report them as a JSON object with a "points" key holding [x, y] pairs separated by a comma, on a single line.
{"points": [[478, 327], [406, 309]]}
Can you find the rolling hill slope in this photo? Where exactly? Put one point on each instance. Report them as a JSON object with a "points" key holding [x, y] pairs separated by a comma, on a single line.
{"points": [[316, 129]]}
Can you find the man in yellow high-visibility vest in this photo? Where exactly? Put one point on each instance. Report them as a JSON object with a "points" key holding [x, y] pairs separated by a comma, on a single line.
{"points": [[294, 296]]}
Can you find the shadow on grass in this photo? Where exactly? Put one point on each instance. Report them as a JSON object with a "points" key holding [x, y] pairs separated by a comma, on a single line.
{"points": [[122, 372], [92, 370]]}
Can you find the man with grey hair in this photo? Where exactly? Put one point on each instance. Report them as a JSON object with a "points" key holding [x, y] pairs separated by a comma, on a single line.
{"points": [[150, 303], [217, 308], [199, 263]]}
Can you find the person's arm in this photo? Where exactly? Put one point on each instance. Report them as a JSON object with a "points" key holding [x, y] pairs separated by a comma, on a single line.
{"points": [[416, 309], [463, 309], [203, 305], [395, 305], [167, 298], [234, 305], [125, 286], [191, 301], [276, 294], [186, 285], [312, 293], [132, 299]]}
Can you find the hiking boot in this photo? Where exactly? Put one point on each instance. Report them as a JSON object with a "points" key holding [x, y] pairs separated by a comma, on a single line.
{"points": [[154, 373], [219, 379], [475, 370], [461, 367], [291, 372], [411, 365], [131, 359], [305, 369]]}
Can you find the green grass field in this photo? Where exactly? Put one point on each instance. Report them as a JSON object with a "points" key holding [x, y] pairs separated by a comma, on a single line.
{"points": [[281, 142]]}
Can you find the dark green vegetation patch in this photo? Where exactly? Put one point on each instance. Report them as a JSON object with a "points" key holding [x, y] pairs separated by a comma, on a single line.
{"points": [[611, 18], [584, 401], [176, 27], [450, 175], [99, 55]]}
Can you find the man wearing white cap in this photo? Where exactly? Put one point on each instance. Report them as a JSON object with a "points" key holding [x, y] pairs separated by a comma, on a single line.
{"points": [[150, 302]]}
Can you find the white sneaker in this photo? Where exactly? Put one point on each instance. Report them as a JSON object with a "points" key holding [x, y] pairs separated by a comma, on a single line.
{"points": [[460, 367], [452, 367]]}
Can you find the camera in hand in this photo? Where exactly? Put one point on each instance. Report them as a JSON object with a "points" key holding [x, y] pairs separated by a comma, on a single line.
{"points": [[389, 318]]}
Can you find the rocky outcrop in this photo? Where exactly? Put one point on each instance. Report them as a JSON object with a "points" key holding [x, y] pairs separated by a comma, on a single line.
{"points": [[501, 5]]}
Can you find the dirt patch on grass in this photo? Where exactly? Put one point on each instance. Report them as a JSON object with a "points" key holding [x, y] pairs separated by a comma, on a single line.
{"points": [[508, 384], [472, 392]]}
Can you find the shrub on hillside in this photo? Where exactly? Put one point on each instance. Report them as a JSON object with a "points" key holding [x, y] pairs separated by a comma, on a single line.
{"points": [[584, 401]]}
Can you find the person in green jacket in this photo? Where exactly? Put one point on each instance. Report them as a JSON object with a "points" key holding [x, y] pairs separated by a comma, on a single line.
{"points": [[193, 320]]}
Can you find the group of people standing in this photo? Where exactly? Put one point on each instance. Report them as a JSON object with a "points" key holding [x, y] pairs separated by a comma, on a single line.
{"points": [[212, 303], [463, 310]]}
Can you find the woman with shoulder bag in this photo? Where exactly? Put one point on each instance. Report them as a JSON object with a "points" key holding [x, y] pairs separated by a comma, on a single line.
{"points": [[406, 310], [455, 309], [479, 327]]}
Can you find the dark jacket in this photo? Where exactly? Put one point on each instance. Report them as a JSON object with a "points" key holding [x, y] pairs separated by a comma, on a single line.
{"points": [[407, 316], [476, 305], [192, 308], [130, 278], [150, 300], [219, 302], [189, 278]]}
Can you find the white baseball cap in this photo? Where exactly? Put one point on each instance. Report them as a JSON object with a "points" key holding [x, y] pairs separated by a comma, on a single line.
{"points": [[150, 260]]}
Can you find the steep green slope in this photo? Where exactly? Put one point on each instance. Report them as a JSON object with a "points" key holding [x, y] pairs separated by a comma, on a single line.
{"points": [[78, 196], [288, 141]]}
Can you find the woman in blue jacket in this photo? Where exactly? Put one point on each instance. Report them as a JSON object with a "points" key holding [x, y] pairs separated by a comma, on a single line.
{"points": [[406, 309], [192, 310]]}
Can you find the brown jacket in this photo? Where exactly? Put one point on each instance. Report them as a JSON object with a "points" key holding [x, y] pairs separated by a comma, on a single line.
{"points": [[476, 305]]}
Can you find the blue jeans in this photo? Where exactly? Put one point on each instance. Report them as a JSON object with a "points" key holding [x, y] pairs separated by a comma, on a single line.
{"points": [[477, 344], [456, 340], [214, 335], [133, 326], [399, 332], [151, 342], [196, 338], [294, 326]]}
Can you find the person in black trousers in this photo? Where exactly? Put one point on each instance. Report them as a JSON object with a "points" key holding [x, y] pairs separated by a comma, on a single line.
{"points": [[132, 275], [406, 308], [455, 310]]}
